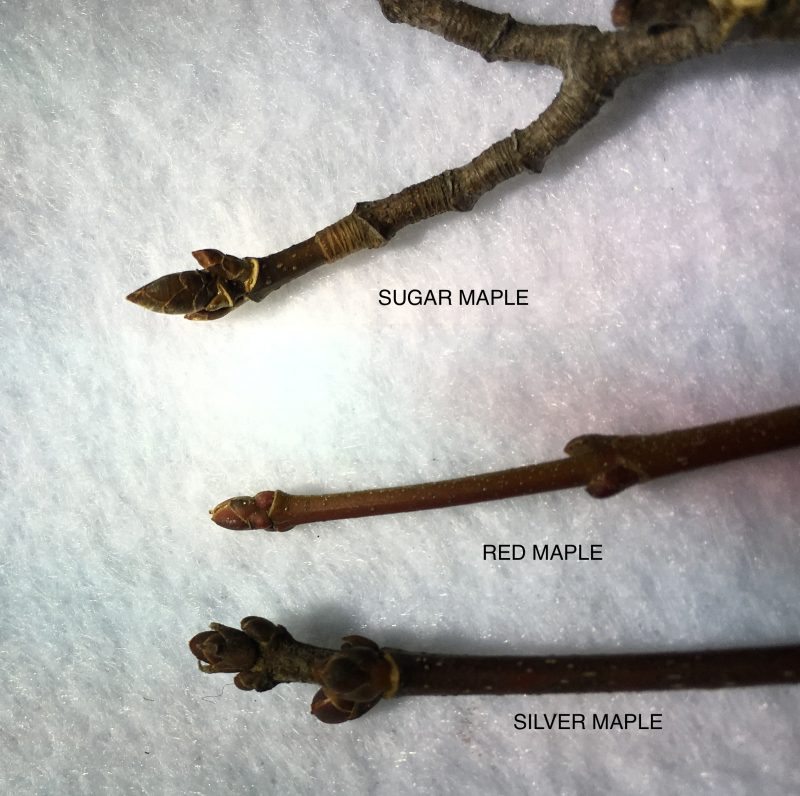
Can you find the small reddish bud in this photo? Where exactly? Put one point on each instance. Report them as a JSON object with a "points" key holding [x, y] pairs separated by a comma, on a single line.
{"points": [[264, 500], [611, 481], [241, 514], [259, 520]]}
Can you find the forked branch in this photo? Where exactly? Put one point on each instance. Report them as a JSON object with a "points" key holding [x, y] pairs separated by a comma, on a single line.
{"points": [[356, 677], [604, 464], [593, 64]]}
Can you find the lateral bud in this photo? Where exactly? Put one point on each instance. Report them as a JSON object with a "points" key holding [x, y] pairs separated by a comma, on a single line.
{"points": [[614, 470], [357, 673], [208, 258], [655, 16], [353, 681], [330, 709]]}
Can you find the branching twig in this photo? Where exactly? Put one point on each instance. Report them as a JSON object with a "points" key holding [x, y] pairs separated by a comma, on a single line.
{"points": [[360, 674], [604, 464], [593, 64]]}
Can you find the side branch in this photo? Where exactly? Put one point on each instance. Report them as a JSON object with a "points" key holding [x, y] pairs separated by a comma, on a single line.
{"points": [[496, 37], [604, 464], [356, 677], [593, 63]]}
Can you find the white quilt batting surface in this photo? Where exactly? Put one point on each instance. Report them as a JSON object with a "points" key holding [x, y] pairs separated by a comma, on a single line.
{"points": [[660, 252]]}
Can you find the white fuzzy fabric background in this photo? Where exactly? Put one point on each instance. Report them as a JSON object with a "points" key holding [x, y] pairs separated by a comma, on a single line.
{"points": [[660, 250]]}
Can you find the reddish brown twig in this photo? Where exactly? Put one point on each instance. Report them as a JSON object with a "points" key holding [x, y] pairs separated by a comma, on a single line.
{"points": [[593, 62], [355, 678], [604, 464]]}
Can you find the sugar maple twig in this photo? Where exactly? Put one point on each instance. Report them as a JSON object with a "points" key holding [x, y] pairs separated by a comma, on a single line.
{"points": [[356, 677], [593, 64], [604, 464]]}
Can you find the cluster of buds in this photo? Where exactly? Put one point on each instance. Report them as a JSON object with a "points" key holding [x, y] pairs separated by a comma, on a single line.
{"points": [[223, 284], [353, 679], [262, 654]]}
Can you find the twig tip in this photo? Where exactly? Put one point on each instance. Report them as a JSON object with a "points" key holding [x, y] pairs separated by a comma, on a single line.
{"points": [[243, 513]]}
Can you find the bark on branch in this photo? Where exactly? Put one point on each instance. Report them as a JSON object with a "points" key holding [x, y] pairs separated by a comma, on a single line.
{"points": [[593, 63], [604, 464], [356, 677]]}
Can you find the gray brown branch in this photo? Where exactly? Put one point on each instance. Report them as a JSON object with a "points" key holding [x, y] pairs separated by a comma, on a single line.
{"points": [[356, 677], [593, 63], [604, 464]]}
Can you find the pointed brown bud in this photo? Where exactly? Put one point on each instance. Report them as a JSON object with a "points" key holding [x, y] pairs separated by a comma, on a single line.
{"points": [[209, 294], [176, 294], [208, 258]]}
